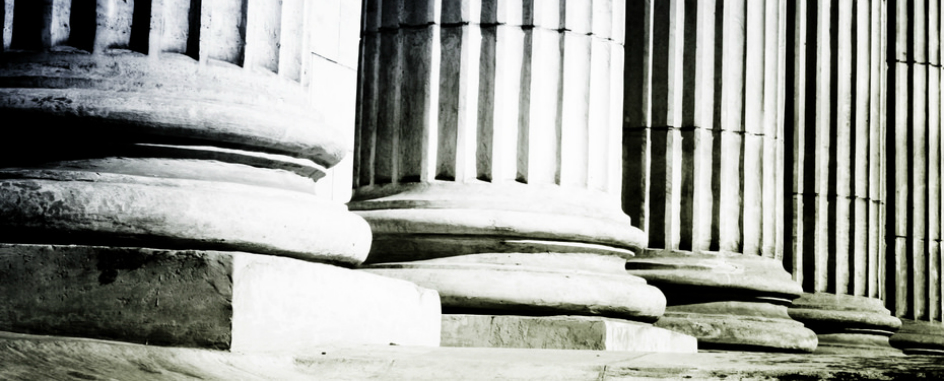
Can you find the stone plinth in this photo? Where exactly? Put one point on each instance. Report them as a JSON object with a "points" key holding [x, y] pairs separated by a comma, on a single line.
{"points": [[488, 158], [181, 133], [210, 299], [920, 337], [847, 324], [561, 332], [727, 301], [703, 168]]}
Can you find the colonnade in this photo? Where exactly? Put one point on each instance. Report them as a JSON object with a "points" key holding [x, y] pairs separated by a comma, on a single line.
{"points": [[606, 174]]}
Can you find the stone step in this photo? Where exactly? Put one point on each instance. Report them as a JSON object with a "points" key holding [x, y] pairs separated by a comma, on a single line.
{"points": [[29, 357]]}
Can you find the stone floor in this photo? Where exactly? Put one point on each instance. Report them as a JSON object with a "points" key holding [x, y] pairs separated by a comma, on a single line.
{"points": [[27, 357]]}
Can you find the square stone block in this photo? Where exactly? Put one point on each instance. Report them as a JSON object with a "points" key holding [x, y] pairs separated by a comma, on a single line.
{"points": [[208, 299], [561, 332]]}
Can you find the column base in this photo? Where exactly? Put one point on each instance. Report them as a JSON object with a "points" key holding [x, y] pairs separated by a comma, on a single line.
{"points": [[727, 301], [743, 326], [207, 299], [534, 284], [920, 337], [561, 332], [847, 324]]}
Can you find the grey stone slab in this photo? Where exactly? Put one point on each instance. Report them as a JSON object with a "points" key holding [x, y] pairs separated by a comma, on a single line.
{"points": [[561, 332], [207, 299]]}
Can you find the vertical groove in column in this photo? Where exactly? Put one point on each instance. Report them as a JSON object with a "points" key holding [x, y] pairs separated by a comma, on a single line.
{"points": [[771, 142], [875, 176], [263, 27], [900, 295], [574, 118], [509, 55], [31, 26], [860, 153], [459, 102], [226, 30], [544, 123], [598, 115], [420, 100], [368, 109], [6, 25], [933, 158], [113, 20], [142, 26], [751, 195], [937, 262], [386, 156], [783, 95], [841, 165], [689, 107], [290, 45], [615, 153], [794, 139], [885, 111], [918, 147], [701, 144], [820, 133], [82, 24], [732, 127]]}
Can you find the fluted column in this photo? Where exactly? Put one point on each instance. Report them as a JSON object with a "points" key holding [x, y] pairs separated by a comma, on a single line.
{"points": [[703, 160], [488, 157], [157, 177], [836, 142], [913, 281]]}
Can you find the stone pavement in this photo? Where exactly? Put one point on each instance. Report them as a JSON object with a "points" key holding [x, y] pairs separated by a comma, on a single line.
{"points": [[31, 357]]}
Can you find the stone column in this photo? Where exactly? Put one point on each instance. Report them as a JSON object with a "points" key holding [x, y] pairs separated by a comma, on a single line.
{"points": [[488, 166], [913, 284], [157, 177], [703, 168], [835, 135]]}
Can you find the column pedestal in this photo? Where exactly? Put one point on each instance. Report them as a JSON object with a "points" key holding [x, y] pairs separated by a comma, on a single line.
{"points": [[496, 252], [920, 337], [847, 324]]}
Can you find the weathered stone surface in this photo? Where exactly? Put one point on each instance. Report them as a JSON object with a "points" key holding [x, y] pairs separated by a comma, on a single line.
{"points": [[920, 337], [159, 207], [25, 357], [847, 324], [756, 327], [220, 300], [561, 332], [545, 283]]}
